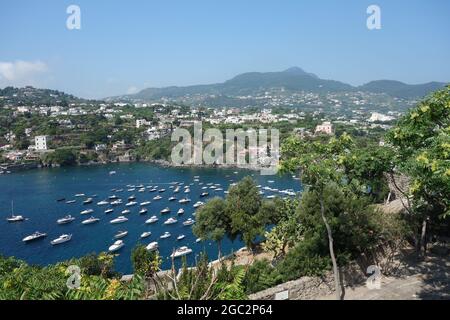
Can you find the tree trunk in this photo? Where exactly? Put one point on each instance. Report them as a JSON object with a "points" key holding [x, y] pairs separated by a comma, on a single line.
{"points": [[330, 243], [423, 236], [219, 249]]}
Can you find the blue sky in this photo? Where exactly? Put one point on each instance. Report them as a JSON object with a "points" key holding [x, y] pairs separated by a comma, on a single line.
{"points": [[124, 46]]}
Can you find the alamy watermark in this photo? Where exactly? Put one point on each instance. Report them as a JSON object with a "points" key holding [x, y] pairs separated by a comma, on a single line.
{"points": [[373, 22], [243, 148], [73, 21]]}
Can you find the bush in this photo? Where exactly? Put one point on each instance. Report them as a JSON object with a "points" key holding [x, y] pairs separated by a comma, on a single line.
{"points": [[260, 276]]}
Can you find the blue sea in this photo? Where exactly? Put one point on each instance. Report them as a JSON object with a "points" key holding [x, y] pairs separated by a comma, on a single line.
{"points": [[35, 195]]}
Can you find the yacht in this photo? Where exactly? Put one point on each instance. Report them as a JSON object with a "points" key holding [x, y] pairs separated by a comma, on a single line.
{"points": [[180, 212], [102, 203], [172, 198], [131, 189], [198, 240], [108, 211], [14, 218], [80, 195], [176, 190], [113, 197], [185, 200], [204, 194], [126, 211], [162, 190], [116, 246], [152, 220], [181, 237], [70, 201], [116, 202], [152, 246], [91, 220], [145, 203], [112, 173], [63, 238], [181, 252], [121, 234], [157, 198], [187, 190], [271, 197], [118, 220], [141, 190], [65, 220], [35, 236], [153, 190], [131, 198], [198, 204], [219, 189], [188, 222], [165, 235], [143, 211], [131, 204], [146, 235], [88, 211], [165, 210], [88, 201], [170, 221]]}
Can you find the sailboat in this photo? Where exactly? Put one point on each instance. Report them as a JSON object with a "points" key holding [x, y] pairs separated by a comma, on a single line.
{"points": [[14, 218]]}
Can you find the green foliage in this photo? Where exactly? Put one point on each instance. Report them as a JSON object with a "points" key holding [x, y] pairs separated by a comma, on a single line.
{"points": [[145, 263], [260, 276], [63, 157]]}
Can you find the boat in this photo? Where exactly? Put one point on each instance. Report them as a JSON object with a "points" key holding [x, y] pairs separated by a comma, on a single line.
{"points": [[117, 202], [102, 203], [131, 198], [153, 190], [14, 218], [121, 234], [116, 246], [35, 236], [153, 219], [170, 221], [91, 220], [180, 211], [118, 220], [70, 201], [145, 235], [181, 237], [187, 190], [113, 197], [198, 204], [162, 190], [60, 199], [143, 211], [108, 211], [141, 190], [131, 204], [185, 200], [61, 239], [188, 222], [152, 246], [176, 190], [198, 240], [65, 220], [271, 197], [172, 198], [165, 210], [112, 173], [165, 235], [131, 189], [88, 201], [157, 198], [145, 203], [140, 186], [219, 189], [204, 194], [181, 252], [80, 195], [126, 211], [88, 211]]}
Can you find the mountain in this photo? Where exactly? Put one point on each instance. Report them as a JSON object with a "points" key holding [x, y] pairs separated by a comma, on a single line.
{"points": [[292, 80], [401, 90]]}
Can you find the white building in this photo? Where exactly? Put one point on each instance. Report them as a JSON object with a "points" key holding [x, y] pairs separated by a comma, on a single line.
{"points": [[379, 117], [40, 143], [325, 127], [142, 123]]}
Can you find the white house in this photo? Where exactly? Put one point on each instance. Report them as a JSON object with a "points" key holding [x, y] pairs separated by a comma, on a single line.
{"points": [[326, 127], [40, 143]]}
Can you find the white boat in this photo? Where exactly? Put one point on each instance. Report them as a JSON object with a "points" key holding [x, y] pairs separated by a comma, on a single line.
{"points": [[157, 198], [180, 212], [102, 203], [131, 198], [165, 210], [117, 202], [271, 197], [143, 211], [80, 195], [116, 246], [118, 220], [152, 220], [131, 189], [170, 221], [198, 204], [107, 211], [112, 173], [181, 252], [131, 204], [145, 203], [35, 236], [70, 201], [204, 194], [172, 198], [146, 235], [219, 189], [88, 201], [152, 246], [14, 218], [176, 190], [126, 211], [185, 200], [153, 190], [198, 240], [65, 220], [88, 211], [91, 220], [181, 237], [121, 234], [165, 235], [113, 197], [141, 190], [187, 190], [188, 222], [162, 190], [62, 238]]}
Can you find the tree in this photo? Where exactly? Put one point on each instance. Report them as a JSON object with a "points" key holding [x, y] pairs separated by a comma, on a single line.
{"points": [[319, 166], [243, 205], [145, 263], [212, 222], [421, 141]]}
